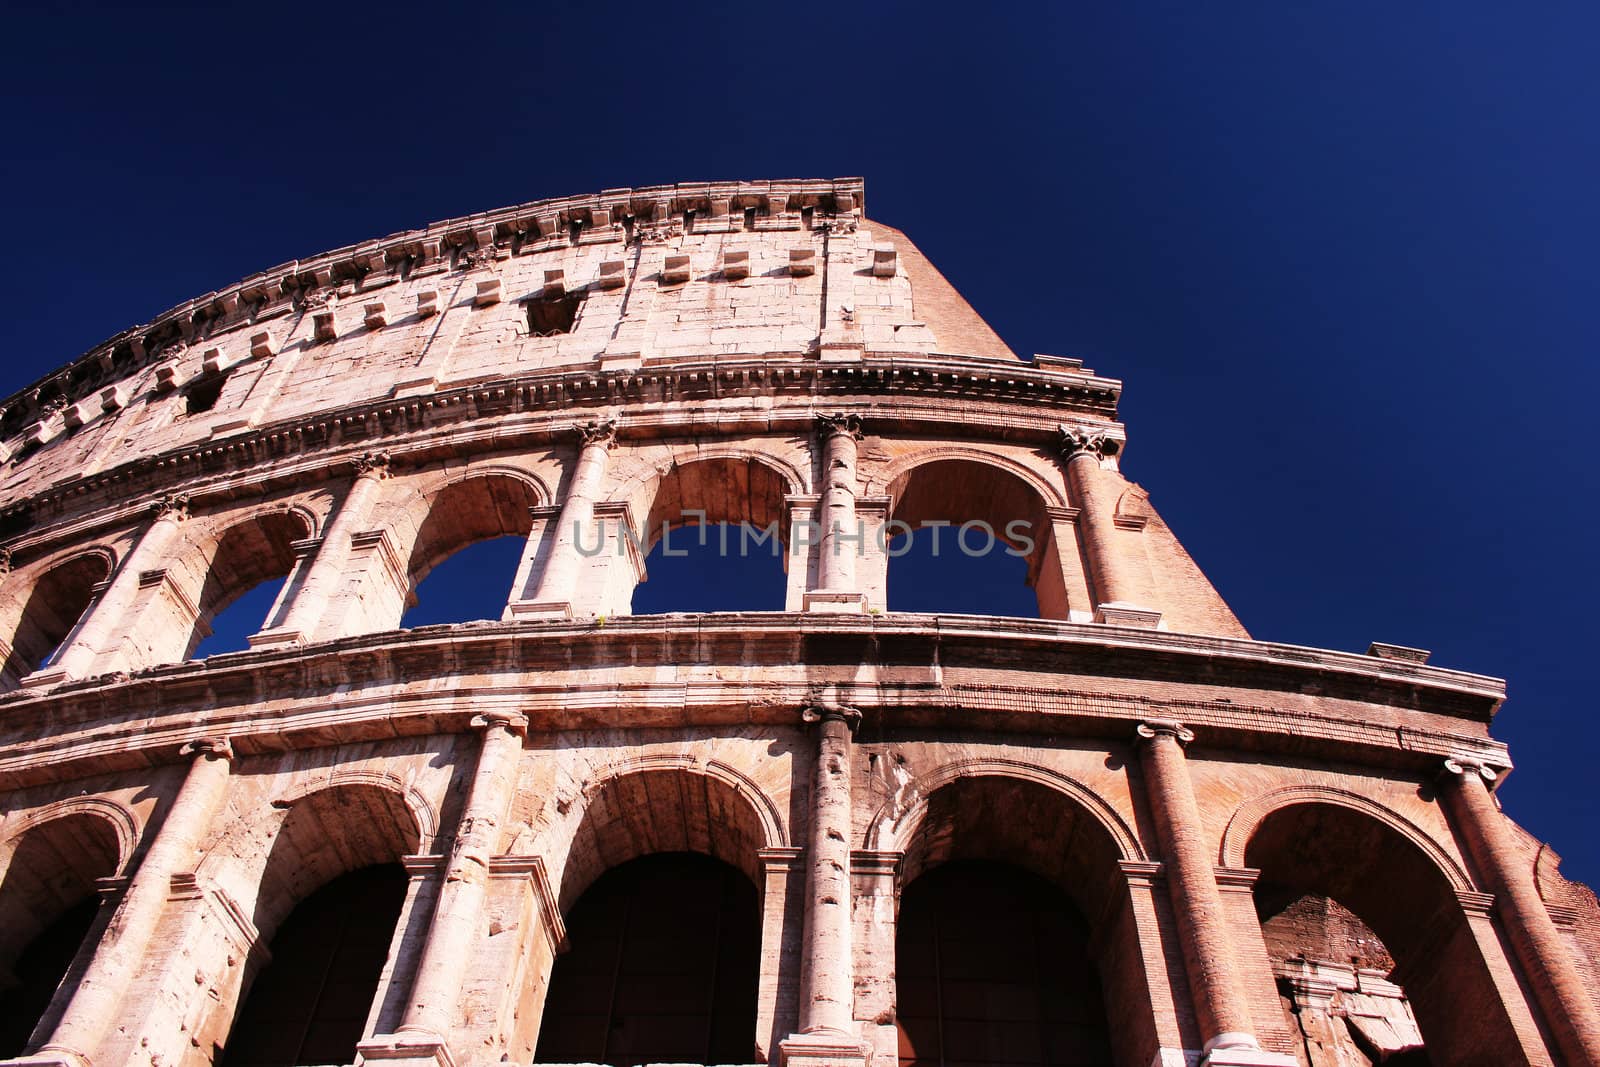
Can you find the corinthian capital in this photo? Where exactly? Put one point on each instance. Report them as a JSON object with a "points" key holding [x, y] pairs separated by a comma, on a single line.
{"points": [[1074, 443], [171, 506], [839, 423], [597, 432], [373, 463]]}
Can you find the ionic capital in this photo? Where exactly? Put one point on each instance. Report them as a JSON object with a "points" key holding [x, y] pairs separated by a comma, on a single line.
{"points": [[1462, 766], [372, 465], [827, 710], [839, 423], [512, 722], [1151, 729], [1074, 443], [209, 748], [602, 432], [173, 506]]}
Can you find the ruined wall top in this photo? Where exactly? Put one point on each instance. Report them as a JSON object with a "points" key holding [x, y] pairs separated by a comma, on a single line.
{"points": [[624, 278]]}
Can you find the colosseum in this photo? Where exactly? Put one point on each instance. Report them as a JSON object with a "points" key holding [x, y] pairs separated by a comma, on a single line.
{"points": [[824, 835]]}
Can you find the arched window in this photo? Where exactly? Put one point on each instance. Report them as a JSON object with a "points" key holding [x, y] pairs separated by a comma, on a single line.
{"points": [[48, 902], [474, 534], [310, 1004], [1017, 988], [1347, 900], [54, 605], [715, 538], [243, 590], [662, 967], [980, 542]]}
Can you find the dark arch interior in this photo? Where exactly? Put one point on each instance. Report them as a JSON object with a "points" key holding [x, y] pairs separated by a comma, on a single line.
{"points": [[662, 968], [1016, 988], [993, 567], [49, 902], [1375, 896], [58, 599], [310, 1003], [37, 973], [734, 559]]}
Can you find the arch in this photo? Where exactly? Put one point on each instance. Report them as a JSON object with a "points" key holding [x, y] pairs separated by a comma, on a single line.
{"points": [[795, 480], [121, 822], [450, 515], [668, 803], [247, 552], [51, 608], [899, 818], [422, 811], [712, 481], [1248, 817], [1051, 495]]}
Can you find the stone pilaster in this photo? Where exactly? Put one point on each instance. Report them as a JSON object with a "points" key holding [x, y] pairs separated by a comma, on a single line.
{"points": [[311, 597], [456, 926], [1220, 1001], [121, 953], [839, 540], [827, 989], [558, 584], [1557, 986]]}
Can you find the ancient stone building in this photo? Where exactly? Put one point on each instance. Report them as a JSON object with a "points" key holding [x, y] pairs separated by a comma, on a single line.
{"points": [[1122, 832]]}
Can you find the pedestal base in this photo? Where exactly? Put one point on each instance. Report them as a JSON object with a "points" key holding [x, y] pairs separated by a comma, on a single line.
{"points": [[46, 1059], [1127, 615], [1243, 1052], [538, 609], [406, 1050], [275, 639], [823, 1050], [823, 600]]}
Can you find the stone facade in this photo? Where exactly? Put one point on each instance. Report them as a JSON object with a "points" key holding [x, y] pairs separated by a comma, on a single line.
{"points": [[1141, 837]]}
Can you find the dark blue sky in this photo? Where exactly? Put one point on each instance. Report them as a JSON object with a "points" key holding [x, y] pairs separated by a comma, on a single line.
{"points": [[1343, 254]]}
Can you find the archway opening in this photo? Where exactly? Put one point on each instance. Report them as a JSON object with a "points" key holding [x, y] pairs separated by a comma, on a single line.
{"points": [[464, 561], [310, 1004], [1017, 988], [56, 603], [971, 538], [714, 539], [662, 968], [327, 902], [243, 590], [1350, 903], [49, 903], [1048, 863]]}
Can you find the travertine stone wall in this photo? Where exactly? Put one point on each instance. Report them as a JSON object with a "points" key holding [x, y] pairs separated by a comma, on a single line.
{"points": [[756, 352]]}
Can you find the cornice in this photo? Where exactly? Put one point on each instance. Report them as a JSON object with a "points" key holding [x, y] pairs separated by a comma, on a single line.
{"points": [[930, 393], [528, 227], [369, 688]]}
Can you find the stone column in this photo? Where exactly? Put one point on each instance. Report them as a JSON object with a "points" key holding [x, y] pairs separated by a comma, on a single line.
{"points": [[1111, 584], [91, 647], [1564, 999], [456, 925], [1221, 1008], [838, 541], [827, 987], [558, 585], [120, 954]]}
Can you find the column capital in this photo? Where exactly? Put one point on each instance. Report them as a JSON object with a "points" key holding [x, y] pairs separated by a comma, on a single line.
{"points": [[602, 432], [372, 465], [824, 711], [837, 423], [1150, 729], [173, 506], [209, 747], [1074, 442], [513, 722], [5, 562], [1462, 766]]}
